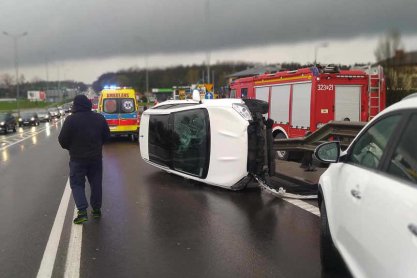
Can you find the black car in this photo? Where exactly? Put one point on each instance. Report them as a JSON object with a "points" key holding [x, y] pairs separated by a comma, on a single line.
{"points": [[7, 122], [29, 118], [44, 116]]}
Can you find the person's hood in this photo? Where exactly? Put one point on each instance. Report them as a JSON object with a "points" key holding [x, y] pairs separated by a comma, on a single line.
{"points": [[81, 104]]}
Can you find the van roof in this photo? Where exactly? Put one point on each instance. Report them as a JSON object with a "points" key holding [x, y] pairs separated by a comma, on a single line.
{"points": [[129, 91]]}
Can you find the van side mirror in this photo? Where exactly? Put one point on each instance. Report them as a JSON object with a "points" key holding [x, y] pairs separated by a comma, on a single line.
{"points": [[328, 152]]}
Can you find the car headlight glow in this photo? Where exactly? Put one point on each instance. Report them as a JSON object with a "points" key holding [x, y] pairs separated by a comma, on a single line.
{"points": [[32, 119], [1, 123], [47, 116], [243, 110], [20, 119]]}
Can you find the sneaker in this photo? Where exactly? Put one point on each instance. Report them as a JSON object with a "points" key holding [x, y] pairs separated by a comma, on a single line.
{"points": [[96, 213], [81, 217]]}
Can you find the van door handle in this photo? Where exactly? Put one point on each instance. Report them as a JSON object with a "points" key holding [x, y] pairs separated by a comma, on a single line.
{"points": [[413, 229], [355, 193]]}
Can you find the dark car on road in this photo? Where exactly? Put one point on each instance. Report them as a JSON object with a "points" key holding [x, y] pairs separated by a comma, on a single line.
{"points": [[44, 116], [7, 122], [29, 118]]}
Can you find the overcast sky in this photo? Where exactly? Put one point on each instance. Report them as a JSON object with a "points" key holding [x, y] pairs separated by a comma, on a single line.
{"points": [[81, 39]]}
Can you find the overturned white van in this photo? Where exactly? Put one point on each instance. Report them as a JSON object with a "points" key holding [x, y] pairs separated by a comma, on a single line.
{"points": [[218, 142]]}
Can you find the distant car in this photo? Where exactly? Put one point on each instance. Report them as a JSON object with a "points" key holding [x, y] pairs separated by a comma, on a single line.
{"points": [[44, 116], [67, 107], [7, 122], [61, 111], [368, 197], [215, 141], [55, 114], [29, 118]]}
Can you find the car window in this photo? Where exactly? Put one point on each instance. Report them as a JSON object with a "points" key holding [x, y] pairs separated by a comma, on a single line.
{"points": [[233, 93], [110, 105], [244, 93], [370, 147], [403, 163], [128, 105], [159, 139], [190, 142]]}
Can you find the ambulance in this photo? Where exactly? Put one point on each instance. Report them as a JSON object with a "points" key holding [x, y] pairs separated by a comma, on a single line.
{"points": [[120, 108]]}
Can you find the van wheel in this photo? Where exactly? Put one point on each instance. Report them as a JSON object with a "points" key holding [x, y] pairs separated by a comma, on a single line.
{"points": [[282, 155], [330, 258], [133, 137]]}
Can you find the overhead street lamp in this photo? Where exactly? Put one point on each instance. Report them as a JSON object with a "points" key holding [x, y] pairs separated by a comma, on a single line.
{"points": [[145, 43], [16, 61], [316, 48], [207, 23]]}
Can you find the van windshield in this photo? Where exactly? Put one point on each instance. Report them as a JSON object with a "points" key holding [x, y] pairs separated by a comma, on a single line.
{"points": [[119, 105]]}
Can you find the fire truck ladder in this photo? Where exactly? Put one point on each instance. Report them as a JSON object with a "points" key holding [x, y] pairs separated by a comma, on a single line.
{"points": [[374, 90]]}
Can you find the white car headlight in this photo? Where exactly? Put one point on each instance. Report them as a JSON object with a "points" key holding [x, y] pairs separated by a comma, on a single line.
{"points": [[32, 119], [1, 123], [243, 110], [20, 119], [47, 116]]}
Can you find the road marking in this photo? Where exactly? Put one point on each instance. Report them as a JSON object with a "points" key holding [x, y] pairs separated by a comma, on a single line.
{"points": [[49, 255], [18, 141], [304, 205], [72, 265]]}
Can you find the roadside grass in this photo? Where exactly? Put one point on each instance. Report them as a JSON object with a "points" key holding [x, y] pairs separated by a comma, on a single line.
{"points": [[25, 104]]}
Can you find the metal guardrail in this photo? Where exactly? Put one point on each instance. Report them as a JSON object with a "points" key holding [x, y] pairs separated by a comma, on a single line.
{"points": [[342, 131]]}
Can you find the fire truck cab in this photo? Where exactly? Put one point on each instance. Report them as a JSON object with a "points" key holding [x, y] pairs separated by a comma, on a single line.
{"points": [[303, 100]]}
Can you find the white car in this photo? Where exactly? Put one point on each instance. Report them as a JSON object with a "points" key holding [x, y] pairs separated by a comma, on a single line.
{"points": [[368, 197], [213, 141]]}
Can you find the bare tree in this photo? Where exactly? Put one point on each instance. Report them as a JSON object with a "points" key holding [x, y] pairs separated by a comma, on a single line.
{"points": [[6, 80], [388, 45], [36, 79]]}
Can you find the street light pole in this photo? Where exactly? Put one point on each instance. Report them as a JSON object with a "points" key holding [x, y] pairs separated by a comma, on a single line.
{"points": [[145, 43], [16, 62], [316, 48], [207, 22]]}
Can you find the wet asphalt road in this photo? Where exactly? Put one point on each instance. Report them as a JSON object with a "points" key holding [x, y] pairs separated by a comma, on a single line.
{"points": [[154, 224]]}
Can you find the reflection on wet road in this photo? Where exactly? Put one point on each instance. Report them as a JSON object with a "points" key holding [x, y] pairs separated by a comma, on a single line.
{"points": [[154, 224]]}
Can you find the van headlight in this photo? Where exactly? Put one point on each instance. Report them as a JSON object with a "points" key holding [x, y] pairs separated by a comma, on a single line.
{"points": [[243, 110]]}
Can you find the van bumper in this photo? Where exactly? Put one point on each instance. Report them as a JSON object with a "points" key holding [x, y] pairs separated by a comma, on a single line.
{"points": [[124, 130]]}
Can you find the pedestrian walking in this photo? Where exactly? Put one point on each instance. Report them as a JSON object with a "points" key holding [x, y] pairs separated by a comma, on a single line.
{"points": [[83, 135]]}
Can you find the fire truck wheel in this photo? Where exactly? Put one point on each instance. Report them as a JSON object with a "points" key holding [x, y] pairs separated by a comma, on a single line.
{"points": [[282, 155]]}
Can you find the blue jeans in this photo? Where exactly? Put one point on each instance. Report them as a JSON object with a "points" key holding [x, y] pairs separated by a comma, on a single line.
{"points": [[93, 170]]}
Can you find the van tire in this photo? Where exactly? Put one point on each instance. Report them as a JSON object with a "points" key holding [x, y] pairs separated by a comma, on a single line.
{"points": [[282, 155]]}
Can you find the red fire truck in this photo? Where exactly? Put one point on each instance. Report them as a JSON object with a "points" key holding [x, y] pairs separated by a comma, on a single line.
{"points": [[303, 100]]}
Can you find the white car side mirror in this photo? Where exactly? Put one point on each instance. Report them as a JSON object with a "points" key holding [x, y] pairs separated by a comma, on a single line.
{"points": [[328, 152]]}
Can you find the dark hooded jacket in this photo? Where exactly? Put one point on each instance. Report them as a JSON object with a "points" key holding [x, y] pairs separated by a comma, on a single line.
{"points": [[84, 132]]}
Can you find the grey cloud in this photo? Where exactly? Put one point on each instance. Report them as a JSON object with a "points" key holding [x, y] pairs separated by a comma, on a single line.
{"points": [[82, 29]]}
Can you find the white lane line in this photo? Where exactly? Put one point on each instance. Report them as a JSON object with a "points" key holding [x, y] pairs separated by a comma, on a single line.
{"points": [[73, 263], [49, 255], [25, 138], [303, 205]]}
